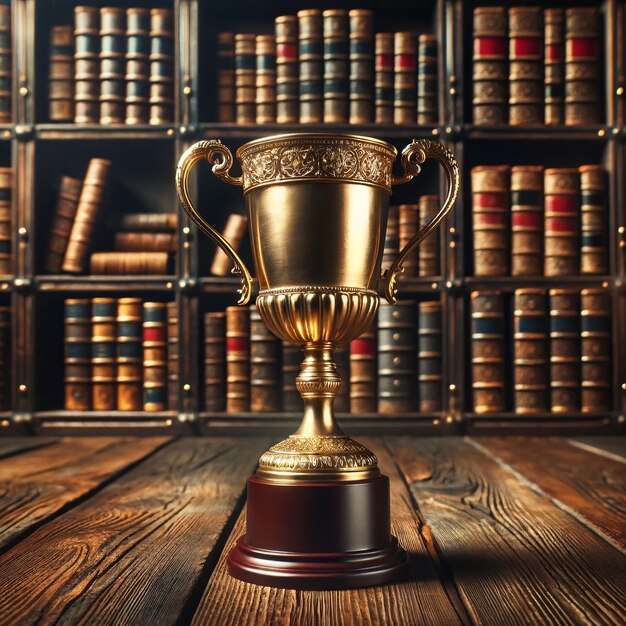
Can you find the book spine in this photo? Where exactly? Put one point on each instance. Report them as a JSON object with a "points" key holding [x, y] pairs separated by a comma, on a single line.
{"points": [[490, 219], [138, 66], [292, 358], [86, 213], [341, 357], [125, 263], [392, 241], [596, 374], [265, 79], [225, 77], [408, 225], [5, 358], [526, 73], [145, 242], [311, 62], [129, 354], [487, 328], [594, 213], [427, 79], [245, 79], [77, 348], [527, 220], [237, 359], [384, 78], [405, 79], [428, 251], [582, 71], [336, 66], [5, 63], [554, 66], [173, 354], [234, 232], [148, 222], [397, 357], [564, 350], [86, 68], [161, 67], [361, 109], [429, 351], [154, 356], [363, 381], [562, 227], [489, 71], [6, 194], [215, 361], [112, 47], [64, 214], [530, 351], [287, 71], [103, 353], [265, 367], [60, 74]]}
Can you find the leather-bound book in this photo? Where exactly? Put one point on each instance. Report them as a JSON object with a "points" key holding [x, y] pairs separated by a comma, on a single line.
{"points": [[342, 359], [60, 74], [161, 52], [336, 66], [527, 220], [292, 358], [311, 63], [124, 263], [429, 351], [405, 78], [428, 250], [383, 78], [154, 356], [427, 79], [112, 47], [564, 350], [225, 77], [562, 222], [554, 66], [397, 357], [145, 242], [596, 335], [147, 222], [390, 248], [6, 186], [526, 71], [86, 214], [173, 356], [363, 380], [594, 215], [137, 66], [361, 66], [234, 232], [64, 213], [245, 78], [5, 62], [77, 354], [5, 358], [86, 68], [287, 71], [487, 328], [490, 219], [265, 367], [582, 68], [129, 354], [103, 353], [408, 225], [215, 361], [265, 79], [489, 72], [237, 359], [531, 376]]}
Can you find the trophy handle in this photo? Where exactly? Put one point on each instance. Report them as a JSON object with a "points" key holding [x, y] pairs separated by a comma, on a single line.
{"points": [[412, 157], [216, 153]]}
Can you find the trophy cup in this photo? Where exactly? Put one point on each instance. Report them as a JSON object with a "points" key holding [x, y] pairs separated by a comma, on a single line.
{"points": [[318, 506]]}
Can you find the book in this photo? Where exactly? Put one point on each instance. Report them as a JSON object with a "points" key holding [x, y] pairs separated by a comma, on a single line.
{"points": [[234, 232], [145, 242], [594, 215], [154, 356], [390, 247], [173, 356], [427, 79], [341, 356], [363, 382], [531, 375], [103, 353], [214, 361], [428, 250], [77, 354], [237, 359], [361, 107], [124, 263], [490, 219], [147, 222], [554, 66], [527, 220], [86, 68], [129, 354], [383, 78], [112, 48], [287, 71], [487, 341], [137, 67], [265, 79], [6, 202], [265, 366], [429, 351], [336, 66], [405, 78], [60, 74], [311, 64], [225, 77], [5, 358], [5, 63], [86, 214], [291, 360], [161, 66], [245, 78], [408, 225]]}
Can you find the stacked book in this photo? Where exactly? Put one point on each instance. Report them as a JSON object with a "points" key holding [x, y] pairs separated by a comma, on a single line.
{"points": [[61, 74], [327, 67], [534, 66], [6, 187], [5, 358], [6, 63], [119, 355], [531, 221]]}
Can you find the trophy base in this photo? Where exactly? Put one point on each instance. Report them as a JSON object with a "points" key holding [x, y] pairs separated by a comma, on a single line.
{"points": [[318, 535]]}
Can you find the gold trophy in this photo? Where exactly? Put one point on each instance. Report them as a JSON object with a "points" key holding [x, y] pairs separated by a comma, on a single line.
{"points": [[318, 506]]}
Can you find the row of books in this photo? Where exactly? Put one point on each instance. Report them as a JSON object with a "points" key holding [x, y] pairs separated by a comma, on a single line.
{"points": [[120, 354], [531, 221], [114, 66], [5, 358], [561, 351], [393, 368], [327, 66], [549, 73], [6, 193], [6, 62]]}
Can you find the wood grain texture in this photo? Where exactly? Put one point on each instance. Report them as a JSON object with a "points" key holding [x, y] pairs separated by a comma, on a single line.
{"points": [[39, 483], [591, 485], [613, 445], [516, 558], [10, 446], [421, 599], [134, 552]]}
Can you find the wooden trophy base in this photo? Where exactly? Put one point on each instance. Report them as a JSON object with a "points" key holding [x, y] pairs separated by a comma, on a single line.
{"points": [[322, 535]]}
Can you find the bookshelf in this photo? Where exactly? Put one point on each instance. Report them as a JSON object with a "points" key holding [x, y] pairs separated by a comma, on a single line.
{"points": [[144, 158]]}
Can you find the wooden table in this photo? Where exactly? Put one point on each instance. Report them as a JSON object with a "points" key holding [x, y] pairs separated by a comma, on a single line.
{"points": [[136, 531]]}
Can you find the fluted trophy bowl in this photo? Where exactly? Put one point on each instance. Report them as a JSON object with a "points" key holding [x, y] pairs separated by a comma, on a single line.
{"points": [[317, 208]]}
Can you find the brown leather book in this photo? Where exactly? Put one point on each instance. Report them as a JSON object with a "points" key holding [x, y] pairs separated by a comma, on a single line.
{"points": [[173, 356], [427, 79], [112, 49], [145, 242], [408, 225], [311, 63], [428, 250], [363, 379], [124, 263], [390, 249], [384, 78], [225, 77], [336, 66], [6, 194], [527, 220], [265, 79], [361, 66], [265, 366], [147, 222], [554, 66], [429, 350], [129, 354], [61, 74], [77, 354], [234, 232], [287, 72], [136, 69], [86, 65], [154, 356], [215, 361], [161, 54], [237, 359], [103, 353], [405, 78], [594, 212], [245, 78]]}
